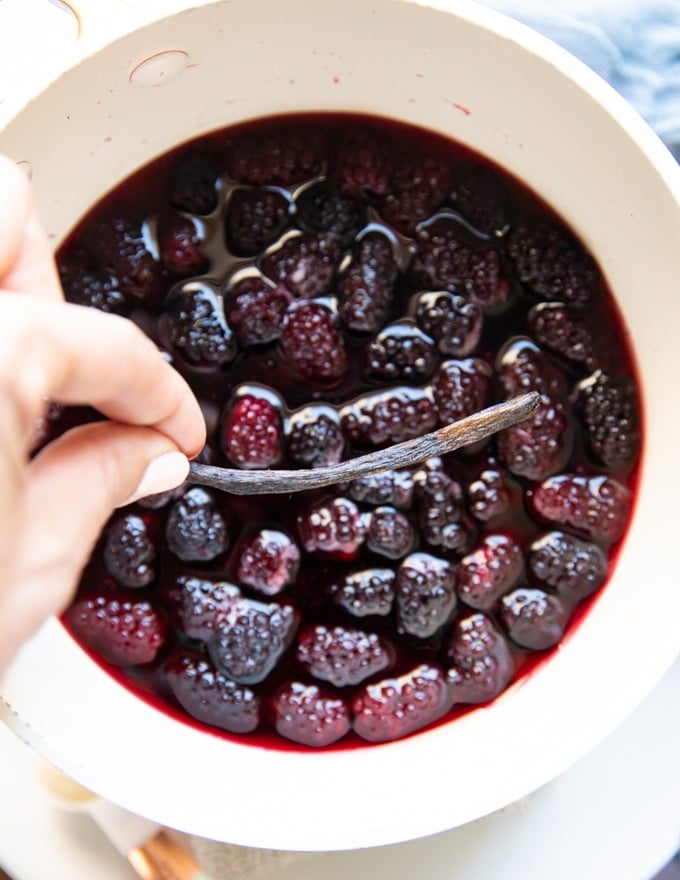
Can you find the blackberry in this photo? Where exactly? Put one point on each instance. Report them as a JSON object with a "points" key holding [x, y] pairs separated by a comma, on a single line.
{"points": [[314, 438], [367, 592], [274, 160], [533, 618], [341, 655], [310, 715], [488, 495], [196, 531], [254, 218], [201, 604], [255, 310], [564, 331], [481, 661], [453, 321], [130, 552], [382, 417], [119, 242], [596, 506], [492, 568], [541, 444], [401, 352], [305, 264], [321, 209], [93, 288], [366, 285], [447, 258], [419, 186], [312, 343], [180, 240], [333, 525], [362, 167], [609, 412], [251, 433], [523, 366], [574, 568], [268, 561], [425, 594], [439, 508], [395, 707], [193, 182], [209, 696], [251, 639], [388, 487], [461, 388], [123, 630], [197, 327], [552, 264], [389, 533]]}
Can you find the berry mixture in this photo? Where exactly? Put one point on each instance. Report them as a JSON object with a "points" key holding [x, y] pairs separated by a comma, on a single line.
{"points": [[329, 286]]}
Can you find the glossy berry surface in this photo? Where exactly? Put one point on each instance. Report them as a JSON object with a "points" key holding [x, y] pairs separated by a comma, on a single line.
{"points": [[328, 286], [124, 630]]}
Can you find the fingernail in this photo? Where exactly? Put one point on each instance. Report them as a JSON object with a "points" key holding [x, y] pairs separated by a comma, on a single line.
{"points": [[162, 474]]}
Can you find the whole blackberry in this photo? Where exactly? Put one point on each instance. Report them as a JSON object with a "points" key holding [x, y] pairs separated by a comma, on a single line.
{"points": [[382, 417], [388, 487], [334, 525], [426, 594], [279, 159], [310, 715], [461, 388], [211, 697], [255, 310], [608, 407], [564, 331], [389, 533], [401, 351], [197, 327], [129, 551], [251, 432], [93, 288], [196, 530], [366, 285], [419, 186], [193, 182], [366, 592], [395, 707], [312, 343], [321, 208], [251, 639], [305, 263], [439, 508], [447, 258], [574, 568], [314, 438], [254, 218], [551, 263], [482, 663], [453, 321], [533, 618], [342, 655]]}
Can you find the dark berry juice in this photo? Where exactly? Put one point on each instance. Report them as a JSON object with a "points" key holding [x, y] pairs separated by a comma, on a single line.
{"points": [[330, 285]]}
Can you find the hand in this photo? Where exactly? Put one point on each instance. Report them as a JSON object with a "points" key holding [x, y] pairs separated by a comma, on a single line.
{"points": [[53, 506]]}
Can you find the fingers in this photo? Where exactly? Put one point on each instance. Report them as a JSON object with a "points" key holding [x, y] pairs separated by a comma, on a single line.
{"points": [[26, 260], [76, 355], [70, 490]]}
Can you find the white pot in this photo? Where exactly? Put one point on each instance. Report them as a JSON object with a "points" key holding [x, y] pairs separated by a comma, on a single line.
{"points": [[458, 69]]}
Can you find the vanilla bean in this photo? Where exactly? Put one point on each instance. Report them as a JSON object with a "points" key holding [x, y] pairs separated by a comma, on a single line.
{"points": [[471, 429]]}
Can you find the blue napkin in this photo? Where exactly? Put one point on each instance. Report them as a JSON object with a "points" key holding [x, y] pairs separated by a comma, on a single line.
{"points": [[633, 44]]}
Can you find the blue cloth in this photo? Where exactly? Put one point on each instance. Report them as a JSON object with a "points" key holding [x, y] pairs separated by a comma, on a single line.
{"points": [[633, 44]]}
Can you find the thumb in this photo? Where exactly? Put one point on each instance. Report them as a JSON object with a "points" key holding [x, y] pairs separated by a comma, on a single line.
{"points": [[72, 487]]}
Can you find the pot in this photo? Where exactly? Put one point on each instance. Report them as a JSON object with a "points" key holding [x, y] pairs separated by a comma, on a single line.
{"points": [[459, 69]]}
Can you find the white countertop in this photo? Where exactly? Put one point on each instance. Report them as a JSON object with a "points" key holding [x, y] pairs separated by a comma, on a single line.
{"points": [[615, 815]]}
